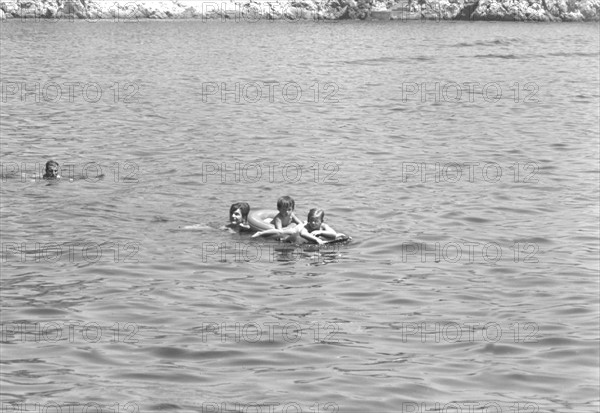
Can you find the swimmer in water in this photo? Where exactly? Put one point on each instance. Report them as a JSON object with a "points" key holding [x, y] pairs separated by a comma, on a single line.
{"points": [[285, 222], [238, 217], [51, 170], [314, 228], [285, 217]]}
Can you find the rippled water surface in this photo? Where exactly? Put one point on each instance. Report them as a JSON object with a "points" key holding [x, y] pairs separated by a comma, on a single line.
{"points": [[473, 282]]}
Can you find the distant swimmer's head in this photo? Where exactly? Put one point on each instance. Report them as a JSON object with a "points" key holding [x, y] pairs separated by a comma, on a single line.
{"points": [[51, 170], [238, 213], [286, 205], [315, 219]]}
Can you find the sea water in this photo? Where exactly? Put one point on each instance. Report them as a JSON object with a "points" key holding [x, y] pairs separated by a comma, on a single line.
{"points": [[462, 157]]}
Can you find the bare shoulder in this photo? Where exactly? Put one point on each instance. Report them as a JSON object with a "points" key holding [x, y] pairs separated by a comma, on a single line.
{"points": [[276, 220]]}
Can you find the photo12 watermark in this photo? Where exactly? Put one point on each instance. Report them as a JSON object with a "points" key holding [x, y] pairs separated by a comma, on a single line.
{"points": [[470, 252], [72, 332], [243, 252], [467, 332], [269, 332], [270, 172], [122, 172], [269, 407], [469, 92], [69, 92], [472, 171], [69, 407], [270, 92], [470, 406], [71, 252]]}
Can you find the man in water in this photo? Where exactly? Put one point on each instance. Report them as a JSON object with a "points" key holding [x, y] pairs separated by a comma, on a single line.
{"points": [[51, 170]]}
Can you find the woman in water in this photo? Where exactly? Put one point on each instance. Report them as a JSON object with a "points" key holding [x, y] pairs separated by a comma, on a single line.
{"points": [[238, 217]]}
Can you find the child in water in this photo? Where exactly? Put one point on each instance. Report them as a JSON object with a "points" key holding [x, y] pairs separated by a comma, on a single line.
{"points": [[285, 222], [285, 217], [238, 217], [315, 227]]}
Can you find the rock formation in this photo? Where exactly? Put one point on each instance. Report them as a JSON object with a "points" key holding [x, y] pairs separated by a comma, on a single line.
{"points": [[250, 10]]}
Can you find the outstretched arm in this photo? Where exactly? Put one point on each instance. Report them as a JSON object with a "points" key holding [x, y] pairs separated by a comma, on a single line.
{"points": [[326, 231], [307, 235], [244, 227], [275, 231]]}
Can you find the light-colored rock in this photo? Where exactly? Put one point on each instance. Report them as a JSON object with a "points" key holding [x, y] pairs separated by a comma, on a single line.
{"points": [[538, 10], [571, 10], [10, 8], [440, 9], [574, 16], [590, 9], [379, 6], [292, 10], [73, 7]]}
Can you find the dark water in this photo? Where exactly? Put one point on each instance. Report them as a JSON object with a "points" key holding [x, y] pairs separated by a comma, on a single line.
{"points": [[470, 284]]}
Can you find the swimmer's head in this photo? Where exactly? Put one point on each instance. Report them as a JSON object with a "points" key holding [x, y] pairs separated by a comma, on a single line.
{"points": [[238, 213], [285, 202], [315, 218], [51, 170]]}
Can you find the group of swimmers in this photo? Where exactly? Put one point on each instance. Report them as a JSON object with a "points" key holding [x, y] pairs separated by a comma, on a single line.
{"points": [[285, 224]]}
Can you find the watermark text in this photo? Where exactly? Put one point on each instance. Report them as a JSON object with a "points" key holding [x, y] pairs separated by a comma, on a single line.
{"points": [[492, 92], [269, 332], [268, 407], [255, 252], [468, 252], [271, 92], [70, 92], [469, 406], [71, 332], [53, 252], [467, 332], [253, 172], [454, 172], [119, 172]]}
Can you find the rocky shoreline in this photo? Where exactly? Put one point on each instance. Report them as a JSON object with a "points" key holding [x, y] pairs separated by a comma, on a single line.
{"points": [[292, 10]]}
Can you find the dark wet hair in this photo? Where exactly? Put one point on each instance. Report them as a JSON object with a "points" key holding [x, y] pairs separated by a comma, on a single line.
{"points": [[285, 202], [48, 165], [51, 162], [243, 207], [316, 212]]}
